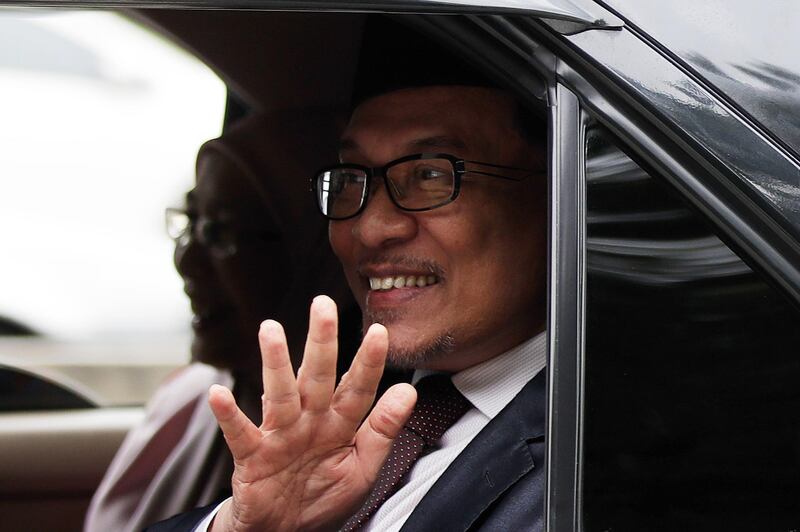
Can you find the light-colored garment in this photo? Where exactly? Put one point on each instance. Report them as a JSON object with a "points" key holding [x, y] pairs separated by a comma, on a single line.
{"points": [[489, 386], [155, 473]]}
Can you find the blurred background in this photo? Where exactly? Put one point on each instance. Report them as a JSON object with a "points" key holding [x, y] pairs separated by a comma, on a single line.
{"points": [[101, 122]]}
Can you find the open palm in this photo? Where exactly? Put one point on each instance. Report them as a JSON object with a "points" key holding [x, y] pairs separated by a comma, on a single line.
{"points": [[313, 460]]}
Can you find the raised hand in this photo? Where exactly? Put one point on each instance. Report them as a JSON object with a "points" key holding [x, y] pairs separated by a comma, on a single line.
{"points": [[312, 462]]}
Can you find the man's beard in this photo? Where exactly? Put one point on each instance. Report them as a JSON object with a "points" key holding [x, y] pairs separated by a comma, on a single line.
{"points": [[406, 358]]}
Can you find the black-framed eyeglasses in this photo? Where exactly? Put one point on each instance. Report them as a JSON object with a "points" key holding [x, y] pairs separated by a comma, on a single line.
{"points": [[418, 182], [219, 237]]}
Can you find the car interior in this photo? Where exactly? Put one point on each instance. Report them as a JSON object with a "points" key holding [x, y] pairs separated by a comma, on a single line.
{"points": [[292, 75]]}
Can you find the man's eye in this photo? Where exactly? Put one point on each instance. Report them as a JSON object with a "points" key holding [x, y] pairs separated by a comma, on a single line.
{"points": [[346, 179], [432, 179], [427, 174], [354, 178]]}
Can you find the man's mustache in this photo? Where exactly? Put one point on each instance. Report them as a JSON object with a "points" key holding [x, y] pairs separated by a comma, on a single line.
{"points": [[402, 261]]}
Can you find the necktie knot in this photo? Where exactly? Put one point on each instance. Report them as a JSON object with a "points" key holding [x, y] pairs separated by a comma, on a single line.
{"points": [[439, 405]]}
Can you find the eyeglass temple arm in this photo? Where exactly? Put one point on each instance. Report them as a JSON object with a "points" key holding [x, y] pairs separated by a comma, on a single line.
{"points": [[509, 178], [528, 171]]}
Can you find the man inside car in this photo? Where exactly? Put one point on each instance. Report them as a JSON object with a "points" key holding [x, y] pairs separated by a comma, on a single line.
{"points": [[438, 216]]}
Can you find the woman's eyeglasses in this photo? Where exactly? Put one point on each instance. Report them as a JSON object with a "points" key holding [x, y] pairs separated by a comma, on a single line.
{"points": [[219, 237]]}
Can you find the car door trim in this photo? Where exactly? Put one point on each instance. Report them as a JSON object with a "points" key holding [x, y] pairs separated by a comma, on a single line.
{"points": [[582, 12], [566, 312]]}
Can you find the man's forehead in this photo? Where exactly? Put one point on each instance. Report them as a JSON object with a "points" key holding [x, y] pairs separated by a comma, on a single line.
{"points": [[436, 118], [419, 141]]}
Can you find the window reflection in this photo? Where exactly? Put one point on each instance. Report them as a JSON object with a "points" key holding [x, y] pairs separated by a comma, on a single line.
{"points": [[691, 401]]}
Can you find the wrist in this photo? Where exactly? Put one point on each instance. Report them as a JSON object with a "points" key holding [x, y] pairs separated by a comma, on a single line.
{"points": [[223, 521]]}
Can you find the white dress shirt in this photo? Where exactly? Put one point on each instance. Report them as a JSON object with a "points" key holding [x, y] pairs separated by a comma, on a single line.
{"points": [[489, 386]]}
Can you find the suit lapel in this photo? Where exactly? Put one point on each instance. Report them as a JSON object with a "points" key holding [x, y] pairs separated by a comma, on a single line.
{"points": [[497, 458]]}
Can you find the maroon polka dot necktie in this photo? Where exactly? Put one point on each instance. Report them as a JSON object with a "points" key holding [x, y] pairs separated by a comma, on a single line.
{"points": [[439, 405]]}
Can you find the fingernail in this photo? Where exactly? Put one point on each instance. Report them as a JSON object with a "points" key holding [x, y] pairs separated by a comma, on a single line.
{"points": [[321, 298], [266, 325], [216, 389], [377, 327]]}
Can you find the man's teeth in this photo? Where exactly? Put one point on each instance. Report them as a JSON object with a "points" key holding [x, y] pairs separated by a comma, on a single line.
{"points": [[401, 281]]}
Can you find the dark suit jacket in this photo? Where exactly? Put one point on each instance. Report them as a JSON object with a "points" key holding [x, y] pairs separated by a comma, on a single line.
{"points": [[495, 484]]}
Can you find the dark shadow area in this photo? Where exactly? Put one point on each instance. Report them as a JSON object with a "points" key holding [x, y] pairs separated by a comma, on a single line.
{"points": [[10, 327], [24, 392], [692, 369]]}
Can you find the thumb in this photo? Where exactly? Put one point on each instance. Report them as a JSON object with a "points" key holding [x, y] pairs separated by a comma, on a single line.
{"points": [[375, 437]]}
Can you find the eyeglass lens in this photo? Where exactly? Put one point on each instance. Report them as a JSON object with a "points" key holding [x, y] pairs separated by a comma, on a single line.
{"points": [[216, 236], [416, 184], [177, 223]]}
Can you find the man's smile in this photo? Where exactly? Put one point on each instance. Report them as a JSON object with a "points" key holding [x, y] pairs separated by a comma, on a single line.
{"points": [[402, 281], [399, 272], [398, 280]]}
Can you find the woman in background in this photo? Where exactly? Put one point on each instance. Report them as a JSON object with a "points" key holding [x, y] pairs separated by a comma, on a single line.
{"points": [[249, 247]]}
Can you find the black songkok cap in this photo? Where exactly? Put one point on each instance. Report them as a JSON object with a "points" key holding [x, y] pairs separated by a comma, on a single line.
{"points": [[395, 56]]}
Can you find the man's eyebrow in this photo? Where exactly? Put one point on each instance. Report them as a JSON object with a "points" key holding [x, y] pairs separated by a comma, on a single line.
{"points": [[438, 142]]}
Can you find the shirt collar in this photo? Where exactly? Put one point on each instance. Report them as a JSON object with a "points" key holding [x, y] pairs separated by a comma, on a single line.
{"points": [[492, 384]]}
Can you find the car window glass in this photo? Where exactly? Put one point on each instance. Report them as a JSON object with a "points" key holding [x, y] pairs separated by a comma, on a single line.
{"points": [[691, 412], [747, 49], [101, 122], [20, 391]]}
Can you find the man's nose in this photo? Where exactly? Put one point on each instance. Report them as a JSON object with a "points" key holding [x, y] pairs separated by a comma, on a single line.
{"points": [[382, 224]]}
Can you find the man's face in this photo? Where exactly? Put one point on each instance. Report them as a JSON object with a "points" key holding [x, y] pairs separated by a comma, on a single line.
{"points": [[486, 250]]}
